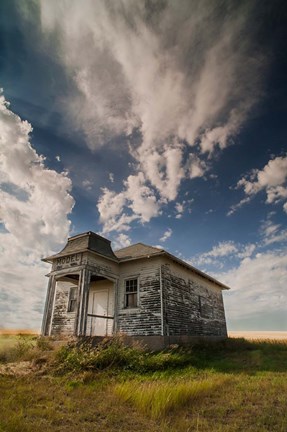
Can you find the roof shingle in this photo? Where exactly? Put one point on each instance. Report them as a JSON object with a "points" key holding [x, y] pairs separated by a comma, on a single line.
{"points": [[135, 251]]}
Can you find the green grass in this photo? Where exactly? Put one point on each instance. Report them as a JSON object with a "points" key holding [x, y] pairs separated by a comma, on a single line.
{"points": [[21, 347], [157, 398], [7, 341], [228, 387]]}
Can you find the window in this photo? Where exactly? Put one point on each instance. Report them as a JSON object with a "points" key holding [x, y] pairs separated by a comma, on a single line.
{"points": [[199, 305], [204, 309], [72, 299], [131, 293]]}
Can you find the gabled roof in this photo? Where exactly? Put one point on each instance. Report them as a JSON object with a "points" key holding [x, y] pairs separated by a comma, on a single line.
{"points": [[140, 250], [137, 250]]}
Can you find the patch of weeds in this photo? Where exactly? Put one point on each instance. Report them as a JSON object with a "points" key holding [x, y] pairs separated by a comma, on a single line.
{"points": [[44, 343], [25, 348], [20, 350], [114, 354], [73, 384]]}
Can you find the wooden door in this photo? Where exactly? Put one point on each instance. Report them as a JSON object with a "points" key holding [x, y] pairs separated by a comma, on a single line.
{"points": [[100, 307]]}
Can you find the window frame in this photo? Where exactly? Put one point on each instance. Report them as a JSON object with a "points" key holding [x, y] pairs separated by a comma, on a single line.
{"points": [[134, 293], [72, 302], [199, 304], [202, 311]]}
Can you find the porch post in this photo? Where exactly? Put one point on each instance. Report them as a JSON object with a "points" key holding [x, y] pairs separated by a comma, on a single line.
{"points": [[84, 285], [116, 306], [85, 302], [48, 310]]}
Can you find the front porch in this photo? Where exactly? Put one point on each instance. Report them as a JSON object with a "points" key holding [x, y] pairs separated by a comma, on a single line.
{"points": [[80, 304]]}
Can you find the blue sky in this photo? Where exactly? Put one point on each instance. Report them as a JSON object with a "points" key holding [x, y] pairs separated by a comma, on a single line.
{"points": [[158, 122]]}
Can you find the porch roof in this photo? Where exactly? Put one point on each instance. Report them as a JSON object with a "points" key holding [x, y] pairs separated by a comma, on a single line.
{"points": [[88, 241]]}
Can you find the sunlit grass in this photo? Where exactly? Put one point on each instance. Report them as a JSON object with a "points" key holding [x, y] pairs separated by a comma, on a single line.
{"points": [[236, 385], [158, 398], [20, 347]]}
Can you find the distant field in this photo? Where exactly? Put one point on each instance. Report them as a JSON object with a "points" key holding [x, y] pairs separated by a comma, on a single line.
{"points": [[10, 339], [18, 331], [245, 334], [251, 335]]}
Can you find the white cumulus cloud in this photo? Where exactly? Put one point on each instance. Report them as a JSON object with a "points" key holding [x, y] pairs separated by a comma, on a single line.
{"points": [[121, 241], [34, 206], [135, 202], [250, 284], [272, 179]]}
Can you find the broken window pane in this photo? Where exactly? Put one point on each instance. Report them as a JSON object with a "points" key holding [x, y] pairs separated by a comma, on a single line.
{"points": [[131, 293], [72, 299]]}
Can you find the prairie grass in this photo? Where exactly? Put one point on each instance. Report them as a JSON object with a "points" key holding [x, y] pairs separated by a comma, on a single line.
{"points": [[157, 398], [233, 386], [22, 347]]}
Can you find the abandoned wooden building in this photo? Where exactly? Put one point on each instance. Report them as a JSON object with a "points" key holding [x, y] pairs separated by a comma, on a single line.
{"points": [[140, 291]]}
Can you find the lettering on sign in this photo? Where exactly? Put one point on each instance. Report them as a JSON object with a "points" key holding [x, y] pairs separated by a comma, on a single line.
{"points": [[69, 260]]}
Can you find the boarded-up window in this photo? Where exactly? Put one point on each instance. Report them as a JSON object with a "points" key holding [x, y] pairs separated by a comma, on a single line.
{"points": [[204, 310], [131, 293], [72, 299]]}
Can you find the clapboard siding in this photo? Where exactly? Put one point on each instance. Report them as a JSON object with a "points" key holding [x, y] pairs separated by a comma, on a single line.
{"points": [[63, 321], [146, 318], [192, 306], [101, 266]]}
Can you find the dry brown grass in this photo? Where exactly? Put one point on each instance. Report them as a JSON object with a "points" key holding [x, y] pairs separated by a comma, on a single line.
{"points": [[245, 387], [259, 335], [16, 332]]}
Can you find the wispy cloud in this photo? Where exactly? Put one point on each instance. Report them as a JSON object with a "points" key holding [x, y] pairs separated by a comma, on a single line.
{"points": [[251, 282], [176, 74], [272, 233], [179, 207], [272, 179], [87, 184], [222, 249], [167, 234], [224, 253], [254, 268]]}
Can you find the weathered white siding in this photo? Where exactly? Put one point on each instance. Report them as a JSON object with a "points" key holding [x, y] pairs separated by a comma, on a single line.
{"points": [[101, 266], [63, 322], [146, 318], [192, 304]]}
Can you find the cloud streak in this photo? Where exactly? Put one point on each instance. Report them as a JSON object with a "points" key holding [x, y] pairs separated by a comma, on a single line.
{"points": [[180, 75], [272, 179], [166, 235]]}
